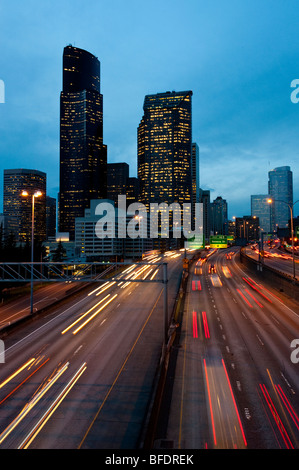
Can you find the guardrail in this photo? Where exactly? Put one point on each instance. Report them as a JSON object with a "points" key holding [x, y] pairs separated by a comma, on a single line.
{"points": [[279, 280]]}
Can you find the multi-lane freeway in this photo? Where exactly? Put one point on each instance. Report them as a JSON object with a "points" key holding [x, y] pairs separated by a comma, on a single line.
{"points": [[236, 384], [276, 259], [45, 295], [81, 375]]}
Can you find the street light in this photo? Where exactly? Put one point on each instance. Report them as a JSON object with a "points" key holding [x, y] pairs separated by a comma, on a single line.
{"points": [[140, 241], [34, 195], [291, 207]]}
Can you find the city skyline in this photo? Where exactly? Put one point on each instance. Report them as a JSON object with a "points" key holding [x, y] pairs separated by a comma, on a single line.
{"points": [[243, 119], [149, 250]]}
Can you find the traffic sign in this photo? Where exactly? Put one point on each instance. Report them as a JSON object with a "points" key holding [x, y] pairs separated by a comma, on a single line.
{"points": [[185, 263], [195, 243], [218, 241]]}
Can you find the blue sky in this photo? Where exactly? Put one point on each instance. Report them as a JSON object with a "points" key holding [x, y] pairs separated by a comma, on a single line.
{"points": [[238, 57]]}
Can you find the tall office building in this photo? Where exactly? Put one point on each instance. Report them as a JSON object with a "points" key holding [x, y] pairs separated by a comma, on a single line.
{"points": [[117, 177], [281, 193], [51, 216], [164, 148], [132, 191], [219, 224], [195, 172], [18, 209], [195, 179], [204, 198], [83, 156], [261, 208]]}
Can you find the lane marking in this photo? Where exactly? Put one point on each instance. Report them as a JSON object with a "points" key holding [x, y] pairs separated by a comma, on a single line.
{"points": [[118, 374]]}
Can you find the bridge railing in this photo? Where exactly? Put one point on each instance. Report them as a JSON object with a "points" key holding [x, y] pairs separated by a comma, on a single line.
{"points": [[63, 272]]}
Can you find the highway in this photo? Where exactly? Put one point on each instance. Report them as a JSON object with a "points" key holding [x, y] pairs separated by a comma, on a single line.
{"points": [[276, 259], [12, 311], [235, 385], [80, 376], [44, 295]]}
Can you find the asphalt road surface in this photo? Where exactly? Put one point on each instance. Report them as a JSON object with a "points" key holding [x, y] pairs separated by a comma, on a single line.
{"points": [[276, 259], [235, 383], [81, 376]]}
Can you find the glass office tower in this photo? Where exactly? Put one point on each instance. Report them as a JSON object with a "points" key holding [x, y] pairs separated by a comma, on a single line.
{"points": [[261, 208], [164, 148], [83, 157], [281, 193], [164, 151], [219, 216]]}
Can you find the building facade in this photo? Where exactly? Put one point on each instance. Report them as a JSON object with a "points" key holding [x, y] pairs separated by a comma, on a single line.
{"points": [[132, 190], [83, 156], [17, 209], [261, 208], [50, 217], [164, 151], [194, 177], [281, 192], [219, 223], [205, 199], [8, 226], [114, 245], [247, 228], [195, 173], [88, 244], [117, 178], [164, 148]]}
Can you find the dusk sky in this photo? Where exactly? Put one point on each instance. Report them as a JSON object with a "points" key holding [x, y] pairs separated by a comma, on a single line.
{"points": [[238, 57]]}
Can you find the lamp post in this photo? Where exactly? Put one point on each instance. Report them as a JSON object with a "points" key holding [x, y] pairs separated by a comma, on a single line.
{"points": [[140, 242], [291, 207], [34, 195]]}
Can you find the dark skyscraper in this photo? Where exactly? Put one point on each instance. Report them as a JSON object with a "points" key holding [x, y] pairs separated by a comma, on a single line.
{"points": [[132, 191], [83, 157], [117, 176], [164, 148], [204, 198], [219, 216], [51, 216], [195, 180], [195, 173]]}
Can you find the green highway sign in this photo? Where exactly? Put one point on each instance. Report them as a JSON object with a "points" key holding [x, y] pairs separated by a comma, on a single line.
{"points": [[195, 243], [218, 241]]}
